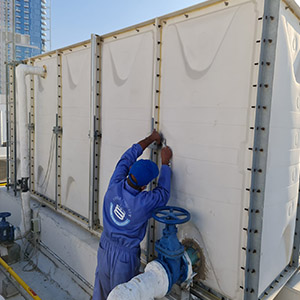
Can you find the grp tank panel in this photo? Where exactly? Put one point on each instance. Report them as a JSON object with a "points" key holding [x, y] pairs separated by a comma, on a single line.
{"points": [[45, 118], [207, 91], [127, 97], [282, 174], [76, 93]]}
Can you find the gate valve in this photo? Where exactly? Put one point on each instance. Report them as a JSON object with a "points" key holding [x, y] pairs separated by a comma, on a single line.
{"points": [[170, 251], [6, 229]]}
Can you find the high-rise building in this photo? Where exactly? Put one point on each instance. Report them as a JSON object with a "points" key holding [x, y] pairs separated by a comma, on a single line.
{"points": [[24, 31]]}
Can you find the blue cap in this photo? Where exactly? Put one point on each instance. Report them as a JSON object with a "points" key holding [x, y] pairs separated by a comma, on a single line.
{"points": [[144, 171]]}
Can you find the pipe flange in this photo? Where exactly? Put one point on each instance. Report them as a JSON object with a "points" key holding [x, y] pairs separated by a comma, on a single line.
{"points": [[200, 266]]}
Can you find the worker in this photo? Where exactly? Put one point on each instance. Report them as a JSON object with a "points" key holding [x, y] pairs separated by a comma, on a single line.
{"points": [[126, 210]]}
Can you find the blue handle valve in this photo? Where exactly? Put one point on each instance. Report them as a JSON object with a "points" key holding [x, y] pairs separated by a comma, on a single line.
{"points": [[171, 215], [6, 229], [4, 215], [170, 251]]}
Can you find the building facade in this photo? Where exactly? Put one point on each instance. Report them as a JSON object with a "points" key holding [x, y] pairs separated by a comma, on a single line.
{"points": [[25, 31]]}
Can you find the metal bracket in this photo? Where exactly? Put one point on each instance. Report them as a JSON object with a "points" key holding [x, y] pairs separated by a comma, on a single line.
{"points": [[57, 130], [31, 126], [23, 182], [97, 134]]}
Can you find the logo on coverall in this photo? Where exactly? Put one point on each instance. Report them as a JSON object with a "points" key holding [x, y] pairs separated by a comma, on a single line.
{"points": [[119, 212]]}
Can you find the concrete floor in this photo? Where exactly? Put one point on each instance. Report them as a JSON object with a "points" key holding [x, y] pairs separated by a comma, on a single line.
{"points": [[43, 286], [54, 281]]}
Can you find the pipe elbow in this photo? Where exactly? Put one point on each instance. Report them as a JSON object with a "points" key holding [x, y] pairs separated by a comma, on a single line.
{"points": [[23, 70], [153, 283]]}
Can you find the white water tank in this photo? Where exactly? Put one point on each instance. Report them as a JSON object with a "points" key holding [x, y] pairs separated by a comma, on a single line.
{"points": [[221, 80]]}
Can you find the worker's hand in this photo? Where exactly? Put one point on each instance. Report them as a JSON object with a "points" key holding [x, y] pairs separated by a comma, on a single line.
{"points": [[155, 137], [166, 155]]}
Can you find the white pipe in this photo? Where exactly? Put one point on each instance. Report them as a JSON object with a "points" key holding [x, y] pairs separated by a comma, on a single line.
{"points": [[21, 96], [153, 283]]}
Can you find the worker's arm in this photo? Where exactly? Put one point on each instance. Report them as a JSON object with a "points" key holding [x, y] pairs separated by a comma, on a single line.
{"points": [[161, 194], [153, 137], [130, 156]]}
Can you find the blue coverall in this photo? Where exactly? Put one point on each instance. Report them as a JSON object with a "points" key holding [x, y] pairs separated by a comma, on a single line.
{"points": [[125, 215]]}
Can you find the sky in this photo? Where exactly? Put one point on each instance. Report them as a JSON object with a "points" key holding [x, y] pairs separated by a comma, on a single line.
{"points": [[74, 21]]}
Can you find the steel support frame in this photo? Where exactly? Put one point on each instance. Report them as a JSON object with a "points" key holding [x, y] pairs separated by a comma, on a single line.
{"points": [[8, 144], [155, 125], [31, 134], [58, 133], [7, 87], [260, 154], [11, 128], [11, 102], [15, 130], [95, 133]]}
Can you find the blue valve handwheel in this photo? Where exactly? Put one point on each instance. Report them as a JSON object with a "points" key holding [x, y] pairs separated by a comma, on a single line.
{"points": [[171, 215], [5, 214]]}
